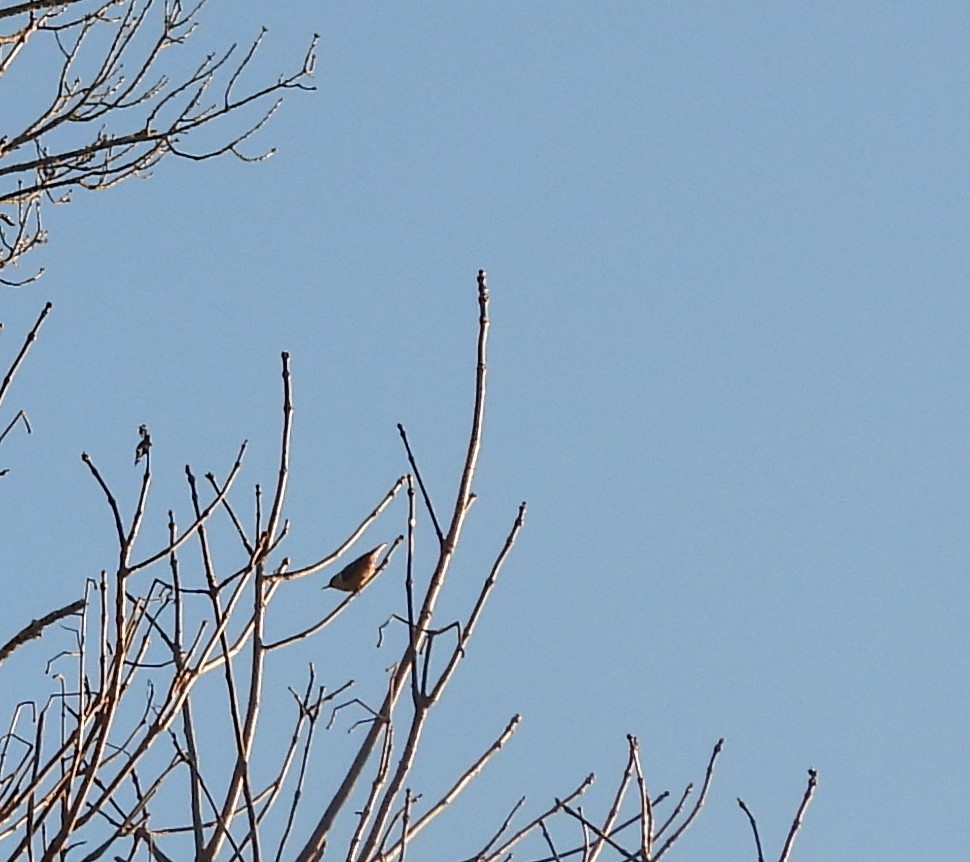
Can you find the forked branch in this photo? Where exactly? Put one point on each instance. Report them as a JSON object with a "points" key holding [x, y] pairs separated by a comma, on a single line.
{"points": [[114, 108]]}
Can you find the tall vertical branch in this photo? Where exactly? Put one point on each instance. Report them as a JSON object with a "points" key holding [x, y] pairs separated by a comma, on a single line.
{"points": [[446, 553], [799, 815], [239, 782], [316, 844]]}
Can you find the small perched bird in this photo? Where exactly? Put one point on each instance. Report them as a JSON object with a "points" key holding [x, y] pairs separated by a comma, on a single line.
{"points": [[144, 443], [354, 576]]}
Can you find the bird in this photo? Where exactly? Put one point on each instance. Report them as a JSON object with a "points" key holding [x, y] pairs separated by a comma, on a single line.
{"points": [[144, 443], [356, 575]]}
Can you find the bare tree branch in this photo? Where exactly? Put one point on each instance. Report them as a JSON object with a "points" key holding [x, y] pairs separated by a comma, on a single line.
{"points": [[116, 108], [15, 366], [799, 815], [84, 766], [35, 628]]}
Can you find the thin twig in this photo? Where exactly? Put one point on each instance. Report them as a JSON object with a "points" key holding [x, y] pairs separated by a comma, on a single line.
{"points": [[35, 628], [525, 830], [697, 805], [799, 815], [18, 360], [599, 832], [424, 491], [463, 781], [754, 829], [646, 809]]}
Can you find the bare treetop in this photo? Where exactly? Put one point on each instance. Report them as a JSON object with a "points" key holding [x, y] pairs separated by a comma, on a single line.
{"points": [[112, 103], [118, 761]]}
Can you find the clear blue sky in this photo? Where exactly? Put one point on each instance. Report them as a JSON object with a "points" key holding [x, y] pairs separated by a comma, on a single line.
{"points": [[727, 248]]}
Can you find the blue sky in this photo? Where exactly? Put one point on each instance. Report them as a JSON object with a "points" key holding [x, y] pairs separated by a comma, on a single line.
{"points": [[729, 373]]}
